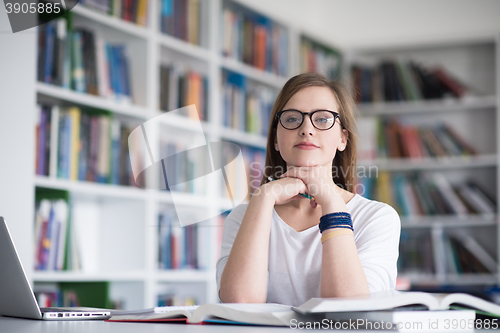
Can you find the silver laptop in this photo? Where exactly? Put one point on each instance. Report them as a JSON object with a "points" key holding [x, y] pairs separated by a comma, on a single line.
{"points": [[16, 296]]}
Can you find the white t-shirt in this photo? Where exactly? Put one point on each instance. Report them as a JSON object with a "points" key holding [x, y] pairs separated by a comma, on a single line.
{"points": [[294, 271]]}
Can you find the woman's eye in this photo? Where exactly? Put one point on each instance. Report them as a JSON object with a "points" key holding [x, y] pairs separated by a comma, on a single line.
{"points": [[292, 120], [323, 120]]}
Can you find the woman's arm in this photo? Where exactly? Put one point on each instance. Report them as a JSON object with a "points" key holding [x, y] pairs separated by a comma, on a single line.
{"points": [[244, 279], [341, 271]]}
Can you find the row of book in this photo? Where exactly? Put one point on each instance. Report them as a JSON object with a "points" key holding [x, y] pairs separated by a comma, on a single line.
{"points": [[54, 250], [382, 138], [427, 194], [175, 300], [84, 145], [135, 11], [181, 247], [181, 167], [78, 59], [254, 40], [443, 252], [244, 107], [180, 87], [75, 294], [404, 81], [57, 299], [243, 185], [181, 19], [318, 59]]}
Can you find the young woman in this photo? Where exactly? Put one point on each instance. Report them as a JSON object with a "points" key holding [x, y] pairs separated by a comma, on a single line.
{"points": [[272, 247]]}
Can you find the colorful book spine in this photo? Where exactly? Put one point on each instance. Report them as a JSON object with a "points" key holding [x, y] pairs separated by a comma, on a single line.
{"points": [[422, 194], [245, 106], [403, 81], [181, 19], [179, 246], [317, 58], [180, 88], [254, 39]]}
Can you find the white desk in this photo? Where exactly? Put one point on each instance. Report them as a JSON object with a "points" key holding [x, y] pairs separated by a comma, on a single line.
{"points": [[15, 325]]}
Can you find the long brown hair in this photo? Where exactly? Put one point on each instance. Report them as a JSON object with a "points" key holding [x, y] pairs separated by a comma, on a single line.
{"points": [[344, 163]]}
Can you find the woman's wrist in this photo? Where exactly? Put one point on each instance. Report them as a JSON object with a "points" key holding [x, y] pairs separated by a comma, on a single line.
{"points": [[333, 204], [263, 195]]}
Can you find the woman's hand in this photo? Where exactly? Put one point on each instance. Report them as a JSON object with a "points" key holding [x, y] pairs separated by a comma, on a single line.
{"points": [[319, 184], [284, 190]]}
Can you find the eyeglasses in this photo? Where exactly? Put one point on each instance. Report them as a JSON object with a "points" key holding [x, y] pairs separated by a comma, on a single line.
{"points": [[321, 119]]}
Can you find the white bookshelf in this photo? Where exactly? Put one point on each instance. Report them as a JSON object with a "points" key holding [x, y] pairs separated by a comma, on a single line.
{"points": [[122, 236], [475, 117]]}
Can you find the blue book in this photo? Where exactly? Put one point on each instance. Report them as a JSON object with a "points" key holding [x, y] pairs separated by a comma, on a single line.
{"points": [[50, 35], [117, 72]]}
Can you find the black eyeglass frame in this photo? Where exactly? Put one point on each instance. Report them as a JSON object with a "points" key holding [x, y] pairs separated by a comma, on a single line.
{"points": [[335, 116]]}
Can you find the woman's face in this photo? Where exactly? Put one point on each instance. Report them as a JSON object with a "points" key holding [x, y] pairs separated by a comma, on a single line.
{"points": [[288, 142]]}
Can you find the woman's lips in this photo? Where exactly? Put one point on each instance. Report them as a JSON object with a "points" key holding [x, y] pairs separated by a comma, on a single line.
{"points": [[306, 147]]}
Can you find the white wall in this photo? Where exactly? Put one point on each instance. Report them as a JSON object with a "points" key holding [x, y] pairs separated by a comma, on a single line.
{"points": [[367, 23], [17, 140]]}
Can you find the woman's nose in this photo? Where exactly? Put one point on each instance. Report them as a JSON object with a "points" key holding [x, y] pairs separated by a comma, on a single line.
{"points": [[307, 127]]}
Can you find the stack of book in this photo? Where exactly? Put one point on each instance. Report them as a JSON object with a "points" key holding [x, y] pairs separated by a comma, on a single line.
{"points": [[404, 81], [181, 19], [180, 87], [391, 139], [427, 194], [246, 108], [317, 58], [91, 145], [182, 247], [254, 39], [135, 11], [78, 59]]}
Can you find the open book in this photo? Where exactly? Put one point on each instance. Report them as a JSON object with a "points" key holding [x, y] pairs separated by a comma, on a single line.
{"points": [[392, 299], [256, 314], [366, 307]]}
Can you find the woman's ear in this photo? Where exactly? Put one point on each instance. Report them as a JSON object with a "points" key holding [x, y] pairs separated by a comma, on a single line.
{"points": [[343, 140], [276, 144]]}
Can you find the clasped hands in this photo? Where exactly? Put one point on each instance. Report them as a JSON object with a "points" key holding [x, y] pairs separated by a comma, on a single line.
{"points": [[314, 180]]}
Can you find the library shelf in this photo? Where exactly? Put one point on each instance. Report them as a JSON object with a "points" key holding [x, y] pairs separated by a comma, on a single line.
{"points": [[71, 276], [474, 116], [84, 188], [237, 136], [449, 221], [112, 22], [183, 199], [429, 106], [431, 163], [184, 275], [50, 93], [185, 123], [255, 74], [185, 48]]}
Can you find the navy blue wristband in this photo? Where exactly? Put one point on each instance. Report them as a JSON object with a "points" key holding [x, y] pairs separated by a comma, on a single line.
{"points": [[335, 220]]}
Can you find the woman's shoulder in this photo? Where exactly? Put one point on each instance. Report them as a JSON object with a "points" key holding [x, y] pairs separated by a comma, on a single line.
{"points": [[237, 213], [369, 209]]}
